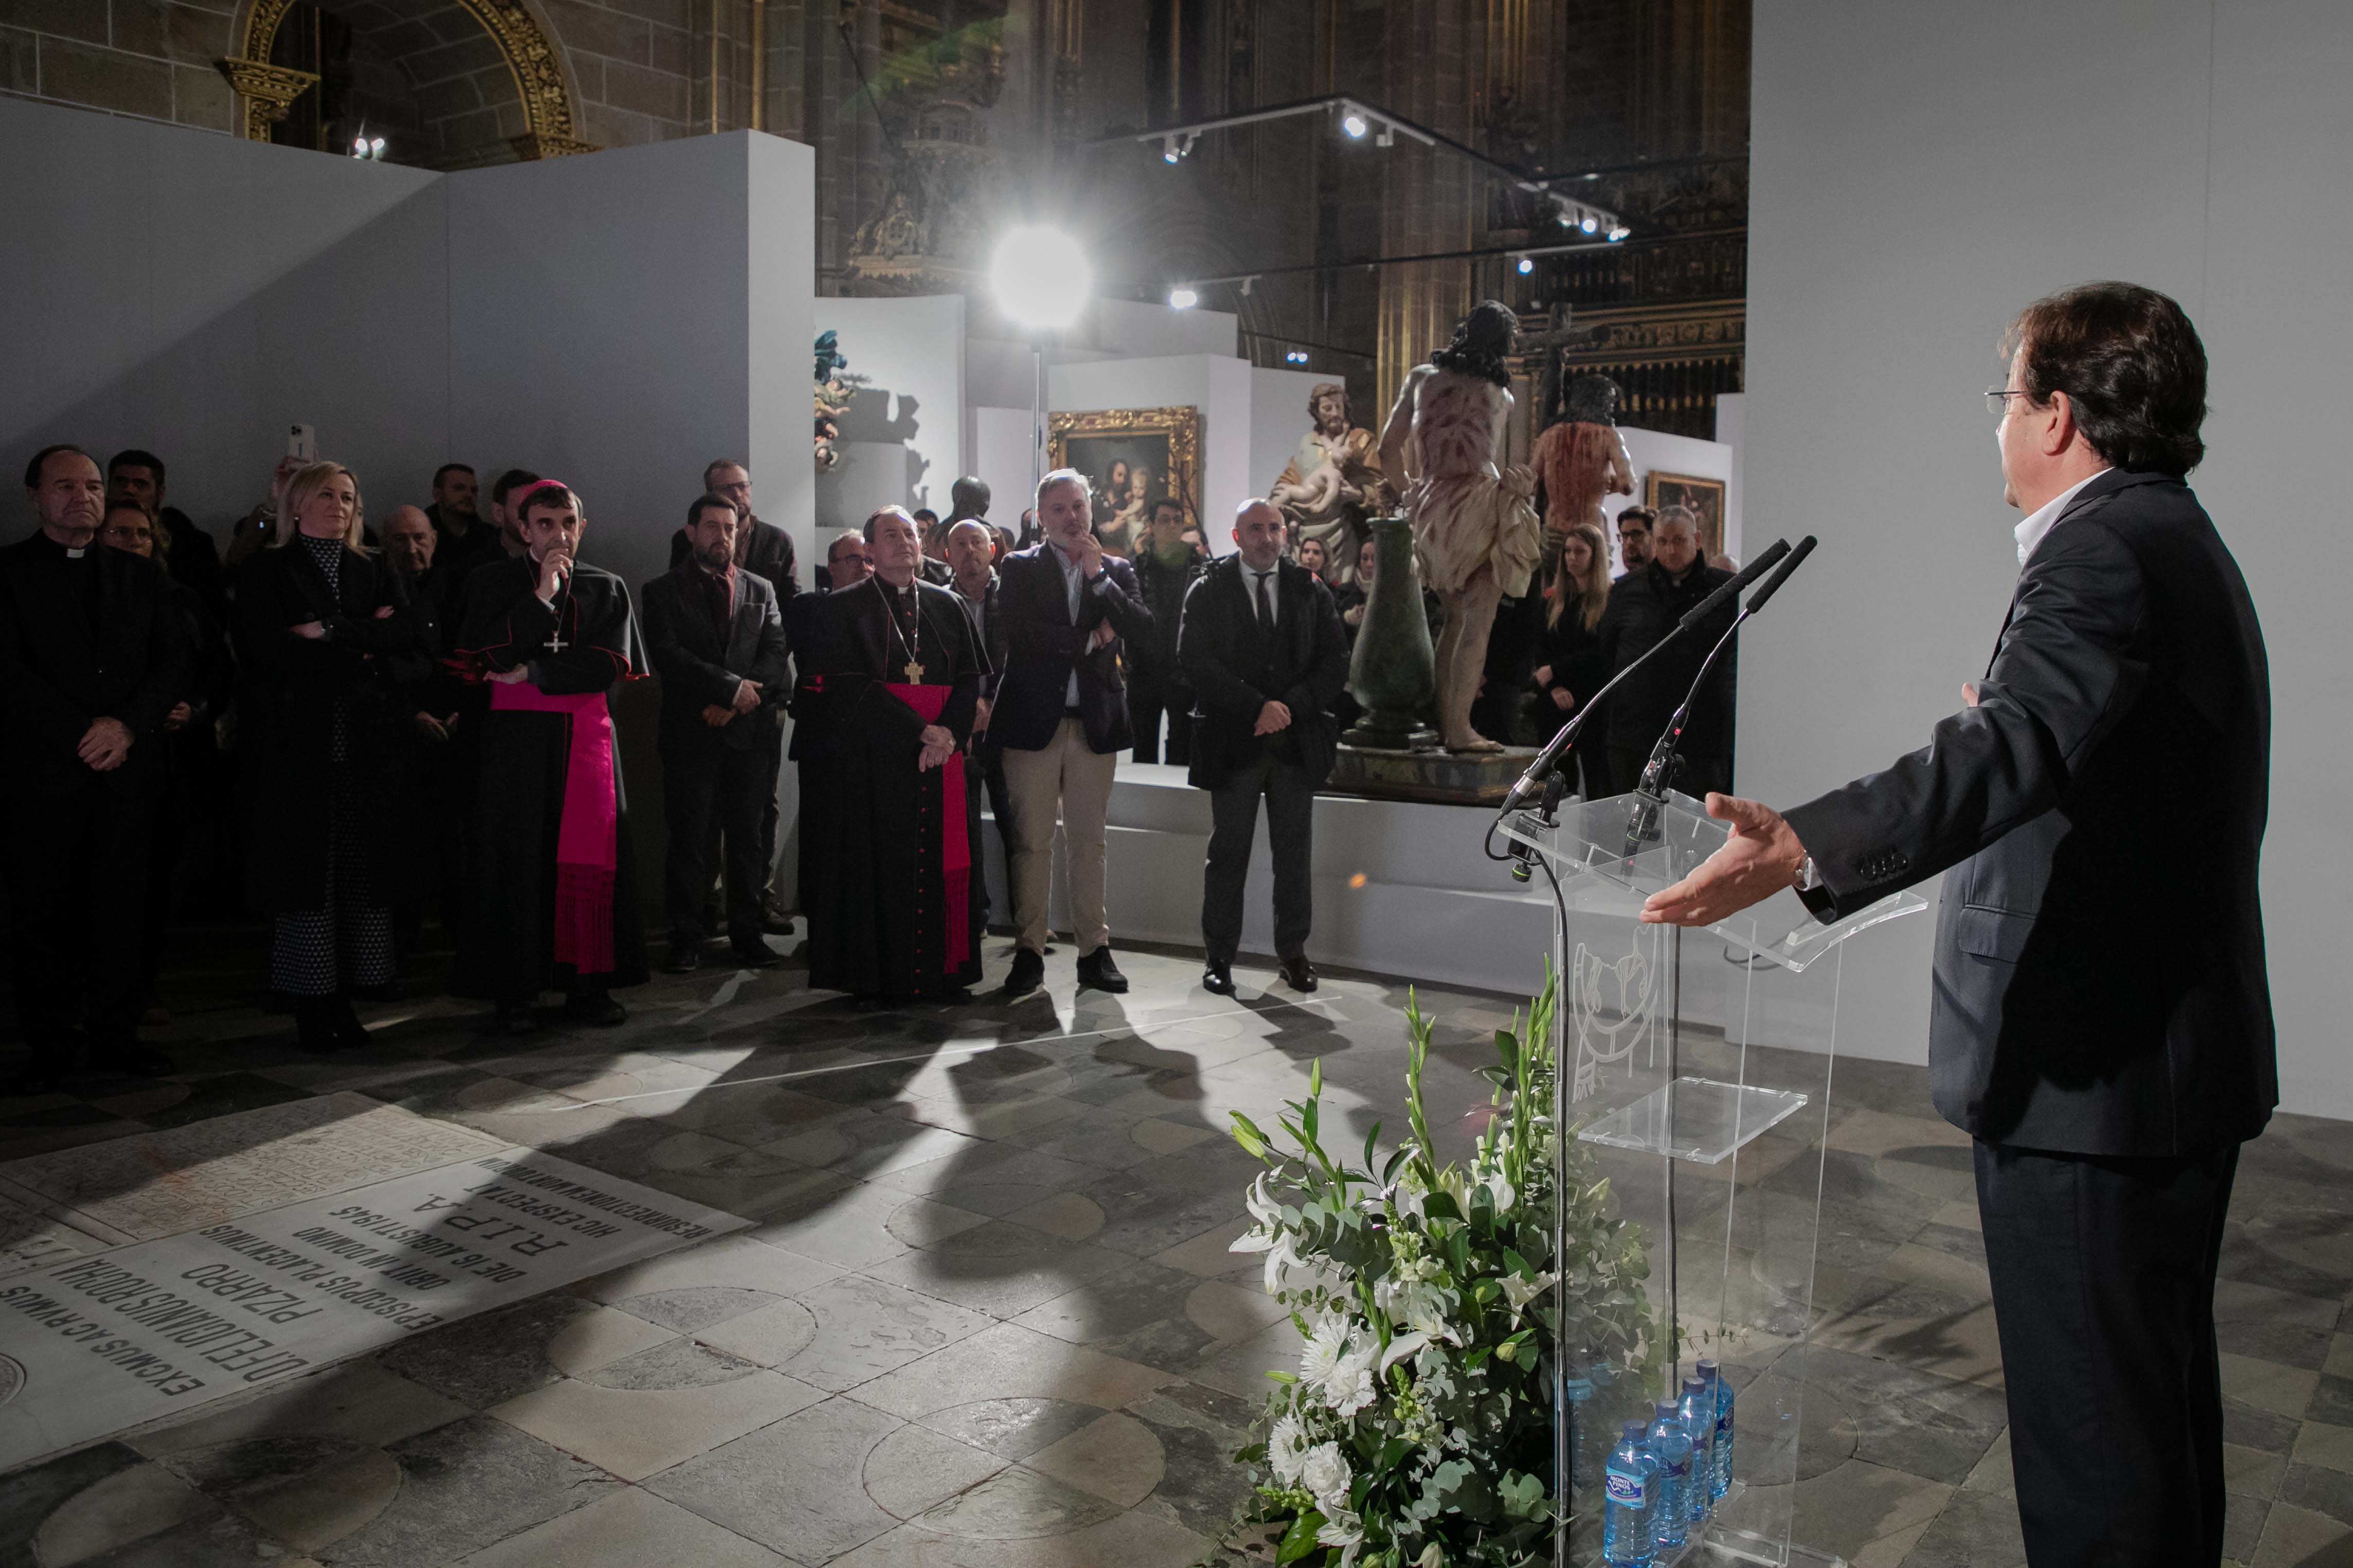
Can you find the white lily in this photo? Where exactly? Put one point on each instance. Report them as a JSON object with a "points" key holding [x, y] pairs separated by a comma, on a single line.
{"points": [[1520, 1292], [1402, 1346], [1343, 1529]]}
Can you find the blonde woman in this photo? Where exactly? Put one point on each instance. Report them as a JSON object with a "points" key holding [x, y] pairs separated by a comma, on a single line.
{"points": [[1569, 664], [339, 841]]}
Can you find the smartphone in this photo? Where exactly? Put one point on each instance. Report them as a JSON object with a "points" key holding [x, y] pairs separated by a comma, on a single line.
{"points": [[301, 441]]}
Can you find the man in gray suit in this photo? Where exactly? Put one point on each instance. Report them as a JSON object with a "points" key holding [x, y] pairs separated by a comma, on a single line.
{"points": [[2102, 1021], [717, 640]]}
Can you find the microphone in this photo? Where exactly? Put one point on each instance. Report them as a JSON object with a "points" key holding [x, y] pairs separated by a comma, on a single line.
{"points": [[1532, 780], [1805, 548], [1658, 775]]}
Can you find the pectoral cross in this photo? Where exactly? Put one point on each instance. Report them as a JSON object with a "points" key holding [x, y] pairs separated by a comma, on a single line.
{"points": [[556, 643], [914, 673]]}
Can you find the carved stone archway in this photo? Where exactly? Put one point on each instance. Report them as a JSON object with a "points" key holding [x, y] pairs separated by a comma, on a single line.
{"points": [[530, 53]]}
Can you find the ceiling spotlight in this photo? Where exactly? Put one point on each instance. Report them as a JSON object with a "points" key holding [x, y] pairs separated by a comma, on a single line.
{"points": [[1527, 265], [359, 146], [1294, 356], [1388, 138], [1620, 232], [1246, 285], [1039, 276], [1354, 124], [1590, 223], [375, 147], [1183, 299], [1169, 152]]}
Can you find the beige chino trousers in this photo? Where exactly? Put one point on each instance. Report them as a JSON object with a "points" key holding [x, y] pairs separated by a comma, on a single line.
{"points": [[1064, 781]]}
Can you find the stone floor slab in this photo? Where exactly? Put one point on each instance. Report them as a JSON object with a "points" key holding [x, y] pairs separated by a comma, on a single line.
{"points": [[794, 1486], [631, 1528], [636, 1433]]}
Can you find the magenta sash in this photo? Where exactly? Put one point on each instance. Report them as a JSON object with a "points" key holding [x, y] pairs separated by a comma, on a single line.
{"points": [[588, 832], [956, 849]]}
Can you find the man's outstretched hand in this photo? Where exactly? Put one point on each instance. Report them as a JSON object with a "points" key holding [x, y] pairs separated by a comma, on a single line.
{"points": [[1761, 858]]}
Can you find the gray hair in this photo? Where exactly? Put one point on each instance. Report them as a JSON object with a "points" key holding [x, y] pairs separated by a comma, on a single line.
{"points": [[1683, 515], [1062, 477]]}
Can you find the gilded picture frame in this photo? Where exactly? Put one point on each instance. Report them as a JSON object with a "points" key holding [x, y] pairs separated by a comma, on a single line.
{"points": [[1703, 497], [1143, 453]]}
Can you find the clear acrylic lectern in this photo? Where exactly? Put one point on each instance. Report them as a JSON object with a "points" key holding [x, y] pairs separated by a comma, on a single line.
{"points": [[1695, 1078]]}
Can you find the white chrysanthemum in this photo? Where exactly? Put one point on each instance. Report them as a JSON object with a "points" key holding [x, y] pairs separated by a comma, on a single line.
{"points": [[1327, 1344], [1354, 1381], [1286, 1448], [1326, 1476]]}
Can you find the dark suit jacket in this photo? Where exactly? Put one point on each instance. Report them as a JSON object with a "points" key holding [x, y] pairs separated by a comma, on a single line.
{"points": [[765, 550], [56, 678], [990, 624], [698, 670], [2100, 985], [1044, 646], [1236, 666], [1644, 606]]}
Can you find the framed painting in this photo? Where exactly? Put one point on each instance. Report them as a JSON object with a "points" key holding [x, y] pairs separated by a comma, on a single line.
{"points": [[1134, 456], [1703, 497]]}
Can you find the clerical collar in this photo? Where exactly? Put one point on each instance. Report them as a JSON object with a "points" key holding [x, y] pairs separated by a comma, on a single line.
{"points": [[74, 553]]}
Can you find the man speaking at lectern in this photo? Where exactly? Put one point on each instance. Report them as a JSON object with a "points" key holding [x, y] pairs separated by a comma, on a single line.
{"points": [[2100, 1024]]}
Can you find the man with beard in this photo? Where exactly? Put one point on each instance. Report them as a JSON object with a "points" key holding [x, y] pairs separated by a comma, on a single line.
{"points": [[718, 643], [894, 910], [553, 901], [1332, 482], [462, 540], [92, 658]]}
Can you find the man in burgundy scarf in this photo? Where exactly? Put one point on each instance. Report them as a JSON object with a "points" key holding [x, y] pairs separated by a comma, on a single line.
{"points": [[553, 903], [894, 909]]}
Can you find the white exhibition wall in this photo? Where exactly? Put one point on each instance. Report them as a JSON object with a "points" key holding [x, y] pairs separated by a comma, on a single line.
{"points": [[195, 295], [910, 355], [1899, 215]]}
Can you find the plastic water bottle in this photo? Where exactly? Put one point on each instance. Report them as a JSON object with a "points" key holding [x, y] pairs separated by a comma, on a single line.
{"points": [[1697, 1411], [1586, 1444], [1630, 1488], [1671, 1508], [1720, 1480]]}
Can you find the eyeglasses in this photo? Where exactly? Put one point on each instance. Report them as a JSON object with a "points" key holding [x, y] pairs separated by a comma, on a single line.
{"points": [[1997, 398]]}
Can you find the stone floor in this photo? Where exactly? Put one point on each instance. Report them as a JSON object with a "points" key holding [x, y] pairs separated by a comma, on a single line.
{"points": [[984, 1315]]}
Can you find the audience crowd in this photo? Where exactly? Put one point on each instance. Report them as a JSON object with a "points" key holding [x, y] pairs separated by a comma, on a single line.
{"points": [[339, 720]]}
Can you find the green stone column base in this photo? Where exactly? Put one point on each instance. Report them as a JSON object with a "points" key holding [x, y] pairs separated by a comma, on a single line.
{"points": [[1394, 671]]}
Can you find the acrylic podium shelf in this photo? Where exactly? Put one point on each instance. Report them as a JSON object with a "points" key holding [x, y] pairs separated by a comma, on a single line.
{"points": [[1696, 1076]]}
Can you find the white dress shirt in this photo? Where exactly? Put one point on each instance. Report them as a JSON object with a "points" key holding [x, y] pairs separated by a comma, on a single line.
{"points": [[1074, 585], [1250, 577], [2037, 523]]}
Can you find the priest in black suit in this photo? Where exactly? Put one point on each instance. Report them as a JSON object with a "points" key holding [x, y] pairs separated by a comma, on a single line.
{"points": [[717, 641], [2102, 1020], [1262, 648], [92, 658], [894, 909], [553, 902]]}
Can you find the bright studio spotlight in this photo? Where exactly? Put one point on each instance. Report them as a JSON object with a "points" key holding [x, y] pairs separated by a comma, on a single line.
{"points": [[1039, 276], [1590, 223], [1527, 265], [1354, 124], [1183, 299]]}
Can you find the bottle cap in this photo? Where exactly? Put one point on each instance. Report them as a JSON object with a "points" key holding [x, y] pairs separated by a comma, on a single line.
{"points": [[1695, 1385], [1633, 1431], [1706, 1366], [1667, 1409]]}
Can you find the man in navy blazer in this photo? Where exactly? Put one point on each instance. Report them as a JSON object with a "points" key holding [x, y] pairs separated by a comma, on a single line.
{"points": [[1061, 720], [2102, 1021]]}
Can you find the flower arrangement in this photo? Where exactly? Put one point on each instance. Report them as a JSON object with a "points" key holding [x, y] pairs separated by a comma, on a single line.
{"points": [[1418, 1430]]}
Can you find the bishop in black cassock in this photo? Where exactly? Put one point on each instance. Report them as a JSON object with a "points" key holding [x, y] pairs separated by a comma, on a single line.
{"points": [[553, 903], [895, 909]]}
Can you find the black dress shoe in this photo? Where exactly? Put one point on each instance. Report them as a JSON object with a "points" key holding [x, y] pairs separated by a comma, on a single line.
{"points": [[1298, 974], [1217, 979], [775, 923], [759, 957], [685, 958], [595, 1008], [1097, 970], [1029, 974], [349, 1030]]}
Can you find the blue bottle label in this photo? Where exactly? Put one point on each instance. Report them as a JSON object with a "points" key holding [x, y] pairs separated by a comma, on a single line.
{"points": [[1723, 1423], [1626, 1488]]}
